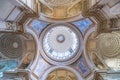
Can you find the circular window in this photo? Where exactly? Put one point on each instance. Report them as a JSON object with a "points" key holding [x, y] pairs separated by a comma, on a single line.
{"points": [[60, 42]]}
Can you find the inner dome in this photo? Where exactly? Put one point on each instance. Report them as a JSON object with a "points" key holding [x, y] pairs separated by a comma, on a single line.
{"points": [[60, 42]]}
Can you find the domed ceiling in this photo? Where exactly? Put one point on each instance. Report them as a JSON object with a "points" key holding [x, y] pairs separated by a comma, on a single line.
{"points": [[16, 51], [70, 40], [106, 47], [61, 43], [12, 46], [60, 9], [66, 75]]}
